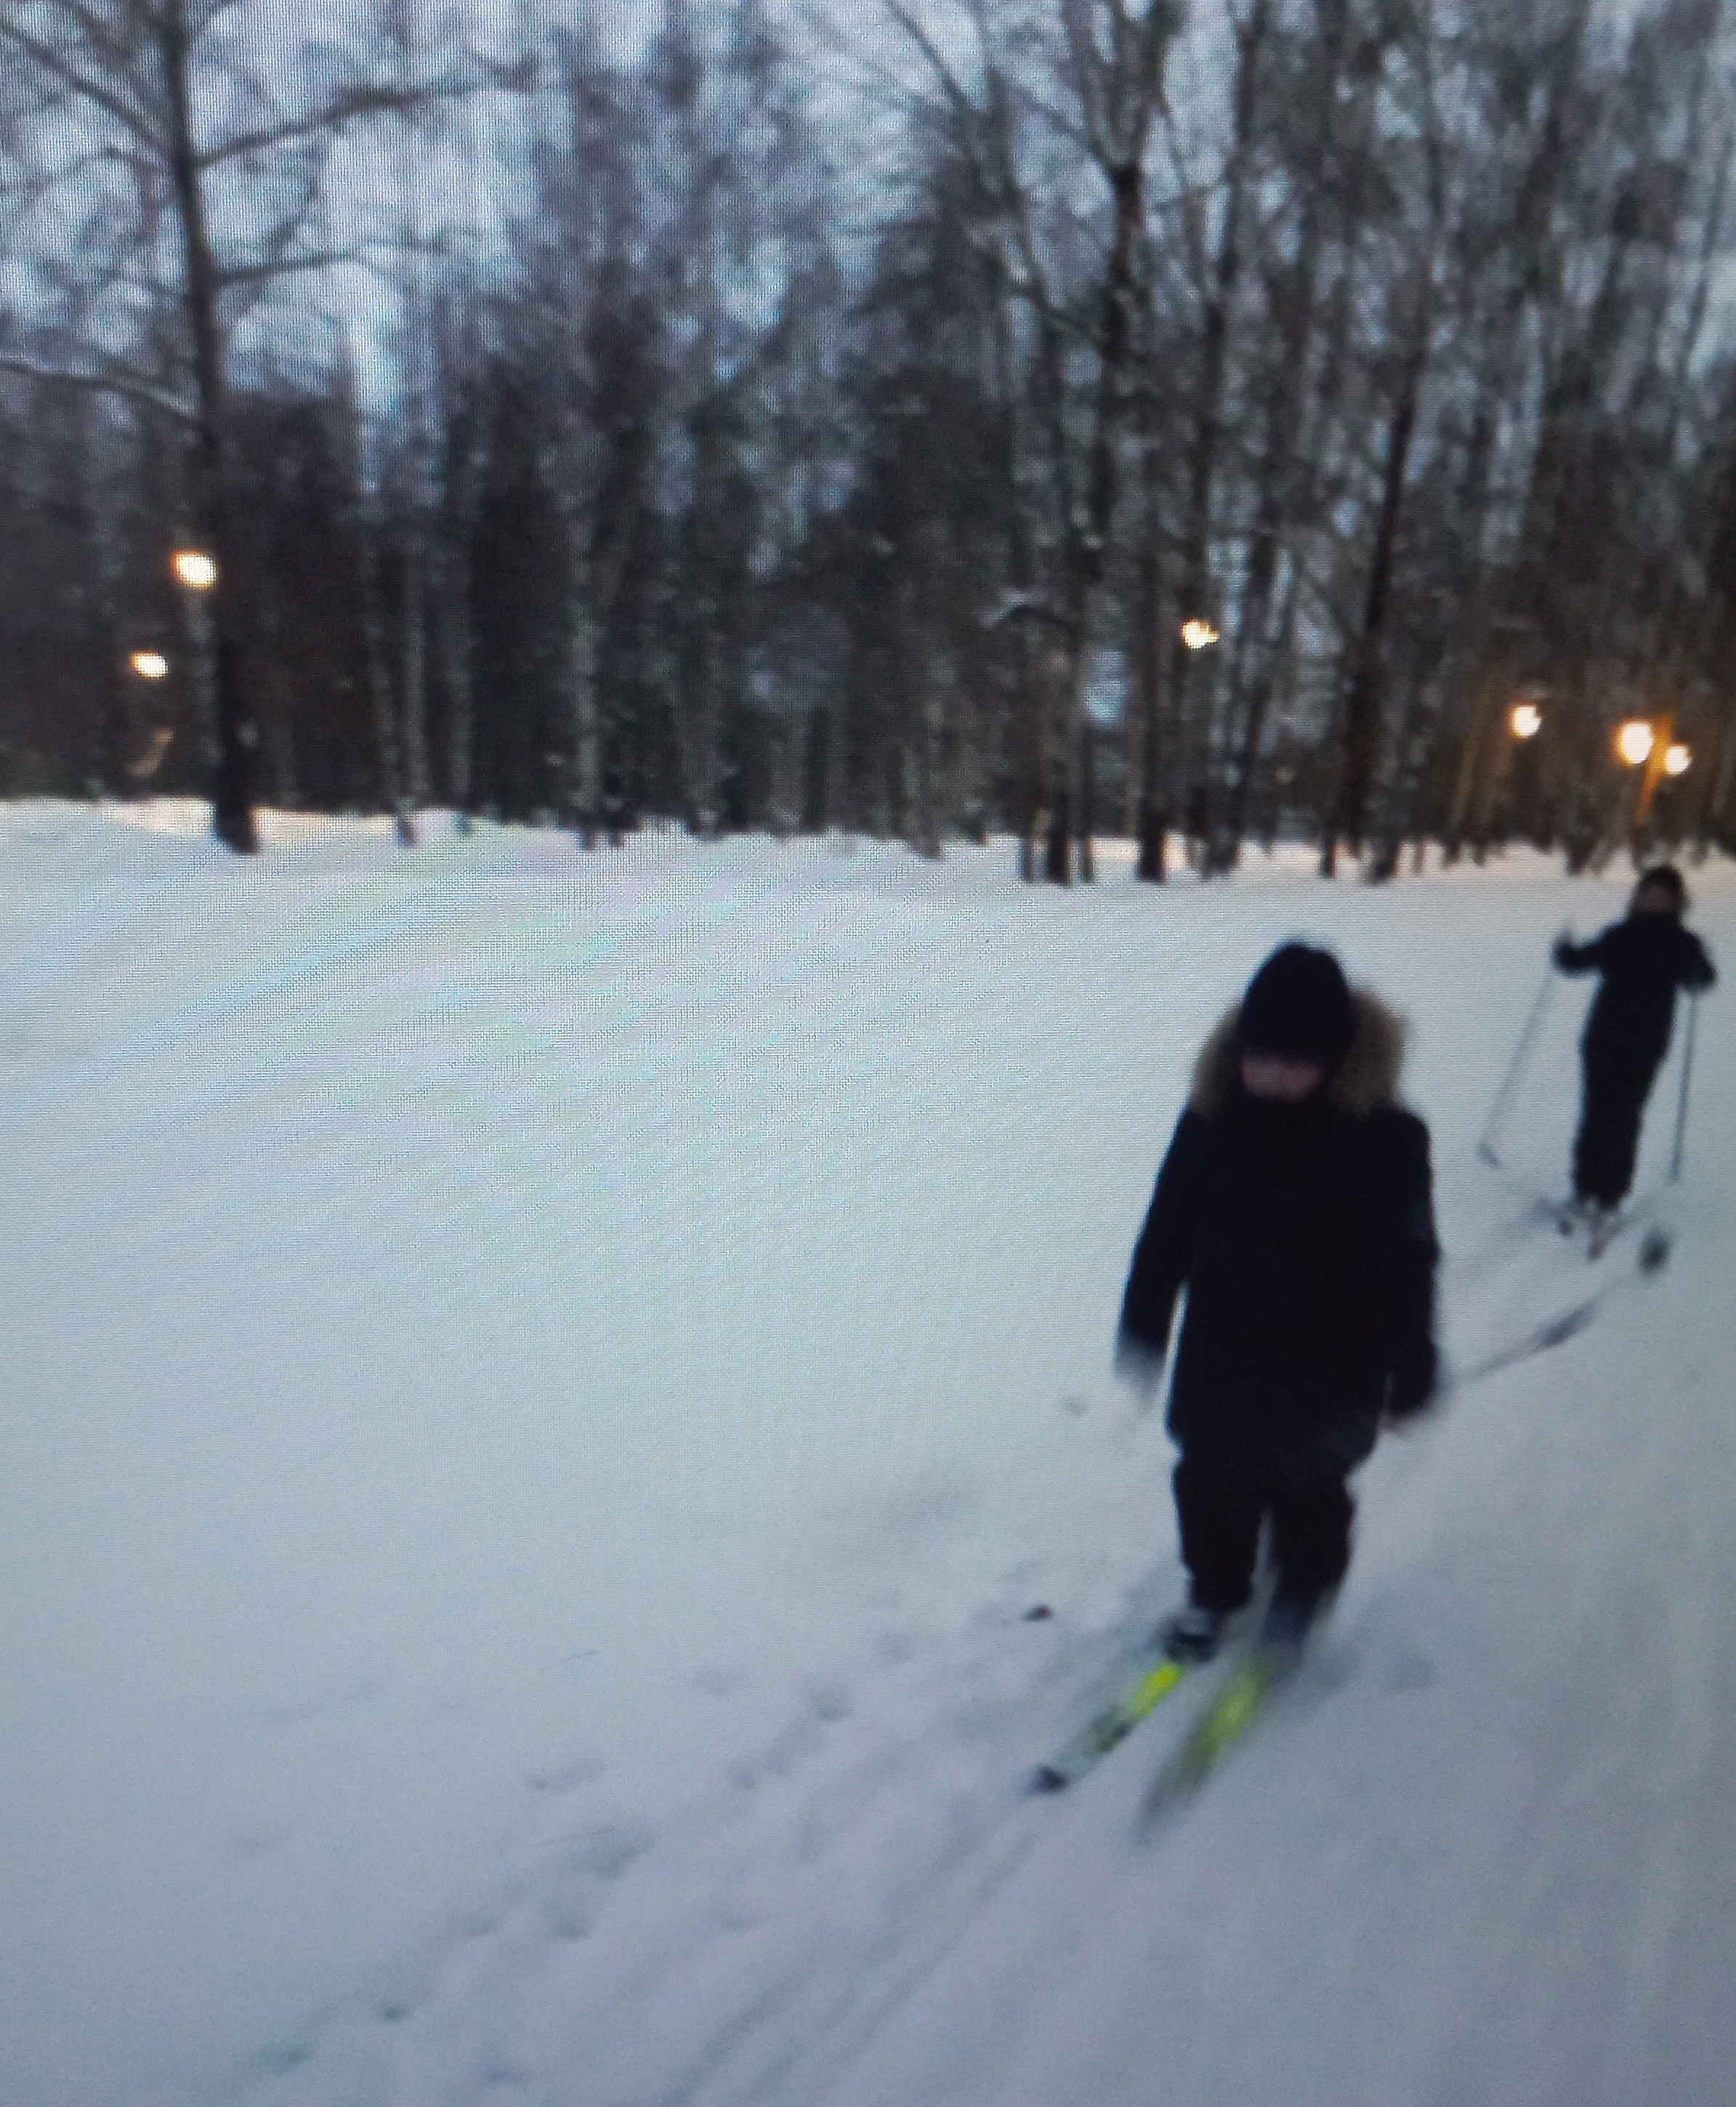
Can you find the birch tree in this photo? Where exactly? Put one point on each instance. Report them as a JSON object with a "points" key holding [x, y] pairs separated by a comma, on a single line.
{"points": [[205, 155]]}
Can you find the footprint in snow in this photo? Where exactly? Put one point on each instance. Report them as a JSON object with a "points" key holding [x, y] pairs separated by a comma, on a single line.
{"points": [[396, 1990], [827, 1703], [260, 1840], [603, 1853], [718, 1681], [564, 1887], [278, 2059], [322, 1703], [1407, 1669], [608, 1851], [568, 1776]]}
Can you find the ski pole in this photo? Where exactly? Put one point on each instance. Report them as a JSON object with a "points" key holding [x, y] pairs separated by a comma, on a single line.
{"points": [[1522, 1052], [1681, 1106], [1539, 1340]]}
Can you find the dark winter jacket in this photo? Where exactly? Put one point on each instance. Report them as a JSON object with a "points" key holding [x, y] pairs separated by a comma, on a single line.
{"points": [[1304, 1238], [1644, 961]]}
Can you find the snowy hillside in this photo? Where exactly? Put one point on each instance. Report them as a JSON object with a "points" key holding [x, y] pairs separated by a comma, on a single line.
{"points": [[541, 1390]]}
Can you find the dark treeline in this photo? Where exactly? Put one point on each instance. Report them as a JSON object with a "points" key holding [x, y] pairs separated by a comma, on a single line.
{"points": [[733, 417]]}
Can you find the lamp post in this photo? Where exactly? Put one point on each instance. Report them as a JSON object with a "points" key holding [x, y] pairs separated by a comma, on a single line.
{"points": [[1514, 784], [151, 667], [194, 569], [196, 573], [1650, 746], [1636, 748], [1670, 761], [1199, 634]]}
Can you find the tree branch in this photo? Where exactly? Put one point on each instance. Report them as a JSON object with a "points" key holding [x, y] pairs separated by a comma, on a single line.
{"points": [[285, 267], [135, 387], [210, 18], [949, 84], [51, 62], [347, 107]]}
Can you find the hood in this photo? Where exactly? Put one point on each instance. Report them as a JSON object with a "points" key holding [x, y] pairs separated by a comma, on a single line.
{"points": [[1366, 1080]]}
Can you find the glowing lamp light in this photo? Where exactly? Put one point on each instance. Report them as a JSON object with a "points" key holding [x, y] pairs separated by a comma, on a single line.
{"points": [[1197, 635], [1527, 720], [148, 665], [194, 569], [1634, 741], [1677, 760]]}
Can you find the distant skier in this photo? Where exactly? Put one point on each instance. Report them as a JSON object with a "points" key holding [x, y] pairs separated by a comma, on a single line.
{"points": [[1295, 1206], [1644, 961]]}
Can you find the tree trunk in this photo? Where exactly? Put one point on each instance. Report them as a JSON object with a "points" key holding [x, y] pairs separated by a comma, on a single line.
{"points": [[382, 701], [453, 639], [237, 734], [1192, 673], [1151, 821], [1362, 707], [922, 717], [1251, 696], [416, 670], [585, 795], [1090, 550]]}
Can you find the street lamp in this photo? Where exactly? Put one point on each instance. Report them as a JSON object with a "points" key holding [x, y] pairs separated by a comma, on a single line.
{"points": [[1197, 634], [150, 665], [1527, 720], [198, 572], [1635, 741], [194, 569], [1678, 760]]}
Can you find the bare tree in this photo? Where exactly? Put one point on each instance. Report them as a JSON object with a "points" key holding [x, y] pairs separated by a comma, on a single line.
{"points": [[1216, 274], [1107, 62], [215, 152]]}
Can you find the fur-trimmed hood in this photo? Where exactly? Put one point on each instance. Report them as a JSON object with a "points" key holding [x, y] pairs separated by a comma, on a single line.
{"points": [[1365, 1080]]}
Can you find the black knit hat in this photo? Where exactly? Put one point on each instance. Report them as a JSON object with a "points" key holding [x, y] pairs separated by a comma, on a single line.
{"points": [[1664, 878], [1297, 1007]]}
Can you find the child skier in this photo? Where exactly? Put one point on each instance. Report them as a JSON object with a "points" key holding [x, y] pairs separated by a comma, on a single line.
{"points": [[1294, 1205], [1643, 960]]}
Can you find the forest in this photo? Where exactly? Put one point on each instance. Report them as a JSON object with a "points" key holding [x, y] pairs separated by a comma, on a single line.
{"points": [[1207, 425]]}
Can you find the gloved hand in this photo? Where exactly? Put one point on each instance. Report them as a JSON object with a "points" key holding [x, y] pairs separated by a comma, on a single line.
{"points": [[1140, 1366], [1563, 949], [1411, 1389]]}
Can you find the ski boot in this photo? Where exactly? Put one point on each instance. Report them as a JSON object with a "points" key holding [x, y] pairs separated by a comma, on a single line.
{"points": [[1193, 1634], [1284, 1629]]}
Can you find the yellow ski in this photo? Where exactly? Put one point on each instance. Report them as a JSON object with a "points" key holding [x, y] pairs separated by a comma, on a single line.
{"points": [[1219, 1728], [1111, 1726]]}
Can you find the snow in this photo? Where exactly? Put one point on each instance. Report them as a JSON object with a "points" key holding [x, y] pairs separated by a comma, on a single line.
{"points": [[543, 1387]]}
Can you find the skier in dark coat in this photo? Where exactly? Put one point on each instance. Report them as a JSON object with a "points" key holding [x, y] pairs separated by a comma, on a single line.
{"points": [[1643, 960], [1295, 1206]]}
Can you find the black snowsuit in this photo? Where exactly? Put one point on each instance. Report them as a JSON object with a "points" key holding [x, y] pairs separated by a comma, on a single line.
{"points": [[1644, 961], [1304, 1238]]}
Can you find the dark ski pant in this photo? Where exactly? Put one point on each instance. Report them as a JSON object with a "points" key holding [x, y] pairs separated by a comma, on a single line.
{"points": [[1222, 1496], [1608, 1143]]}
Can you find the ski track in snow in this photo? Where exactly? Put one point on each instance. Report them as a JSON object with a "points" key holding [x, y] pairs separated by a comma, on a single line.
{"points": [[548, 1384]]}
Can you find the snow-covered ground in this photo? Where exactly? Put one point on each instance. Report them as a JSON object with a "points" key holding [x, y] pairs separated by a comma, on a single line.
{"points": [[540, 1390]]}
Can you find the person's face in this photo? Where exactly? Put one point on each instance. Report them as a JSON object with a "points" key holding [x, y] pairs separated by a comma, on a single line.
{"points": [[1654, 899], [1284, 1082]]}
